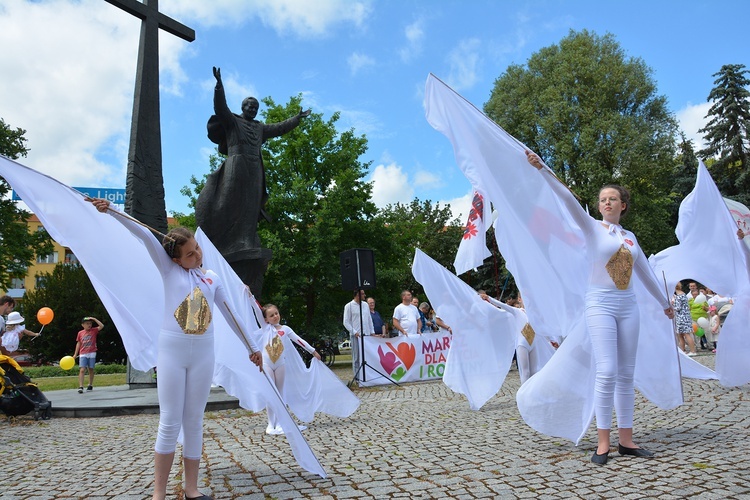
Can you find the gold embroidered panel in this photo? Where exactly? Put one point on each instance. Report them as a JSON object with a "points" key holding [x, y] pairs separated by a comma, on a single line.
{"points": [[620, 267], [194, 314], [528, 333], [275, 348]]}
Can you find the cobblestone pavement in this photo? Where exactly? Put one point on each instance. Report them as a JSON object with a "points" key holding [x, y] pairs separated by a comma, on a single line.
{"points": [[416, 441]]}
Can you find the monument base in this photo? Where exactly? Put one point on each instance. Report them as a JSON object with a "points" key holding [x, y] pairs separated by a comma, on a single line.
{"points": [[140, 380], [252, 269]]}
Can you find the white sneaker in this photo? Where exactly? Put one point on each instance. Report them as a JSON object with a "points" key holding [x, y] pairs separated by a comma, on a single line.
{"points": [[274, 431], [301, 427], [691, 354]]}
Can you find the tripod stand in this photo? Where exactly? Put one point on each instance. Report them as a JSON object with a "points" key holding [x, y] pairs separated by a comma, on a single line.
{"points": [[361, 341]]}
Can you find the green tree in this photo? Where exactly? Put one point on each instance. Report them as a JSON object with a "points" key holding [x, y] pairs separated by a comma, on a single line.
{"points": [[18, 247], [403, 228], [727, 132], [67, 290], [683, 175], [594, 116], [320, 206]]}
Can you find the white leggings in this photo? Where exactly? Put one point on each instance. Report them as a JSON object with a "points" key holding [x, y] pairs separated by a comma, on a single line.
{"points": [[276, 374], [184, 369], [613, 322]]}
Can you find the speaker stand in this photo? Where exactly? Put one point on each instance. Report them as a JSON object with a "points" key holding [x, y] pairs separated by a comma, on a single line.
{"points": [[362, 352]]}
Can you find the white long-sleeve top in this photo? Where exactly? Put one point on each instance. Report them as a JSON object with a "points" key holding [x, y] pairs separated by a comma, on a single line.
{"points": [[603, 240], [180, 284], [351, 319]]}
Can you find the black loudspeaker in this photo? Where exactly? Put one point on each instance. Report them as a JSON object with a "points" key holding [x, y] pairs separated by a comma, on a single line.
{"points": [[357, 269]]}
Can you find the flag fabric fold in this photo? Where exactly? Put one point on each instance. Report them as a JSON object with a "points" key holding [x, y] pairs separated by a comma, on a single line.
{"points": [[545, 251], [484, 337], [473, 247], [710, 253]]}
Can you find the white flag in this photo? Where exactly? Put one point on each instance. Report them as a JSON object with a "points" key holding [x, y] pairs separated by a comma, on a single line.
{"points": [[473, 247], [545, 251]]}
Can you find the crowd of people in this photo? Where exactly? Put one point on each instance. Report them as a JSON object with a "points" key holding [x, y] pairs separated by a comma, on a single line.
{"points": [[698, 317]]}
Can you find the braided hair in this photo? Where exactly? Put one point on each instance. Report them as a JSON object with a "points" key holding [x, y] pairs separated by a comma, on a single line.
{"points": [[174, 240]]}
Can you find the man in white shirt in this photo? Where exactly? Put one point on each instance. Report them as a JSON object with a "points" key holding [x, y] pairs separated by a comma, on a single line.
{"points": [[406, 316], [357, 319]]}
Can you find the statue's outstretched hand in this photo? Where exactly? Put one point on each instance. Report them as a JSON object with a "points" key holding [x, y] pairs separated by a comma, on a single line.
{"points": [[217, 74], [303, 114]]}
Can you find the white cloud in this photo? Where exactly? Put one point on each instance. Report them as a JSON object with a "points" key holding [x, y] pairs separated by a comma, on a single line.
{"points": [[236, 91], [390, 185], [414, 37], [363, 122], [70, 106], [426, 180], [693, 118], [464, 61], [358, 61], [301, 18]]}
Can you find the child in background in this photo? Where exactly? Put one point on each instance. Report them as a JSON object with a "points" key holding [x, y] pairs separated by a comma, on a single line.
{"points": [[715, 326], [86, 348], [14, 330], [274, 356]]}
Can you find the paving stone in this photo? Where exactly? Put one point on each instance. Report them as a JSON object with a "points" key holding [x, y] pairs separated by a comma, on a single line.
{"points": [[414, 441]]}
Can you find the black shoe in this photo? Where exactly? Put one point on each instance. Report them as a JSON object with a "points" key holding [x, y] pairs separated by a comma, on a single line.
{"points": [[80, 390], [600, 459], [202, 497], [89, 388], [636, 452]]}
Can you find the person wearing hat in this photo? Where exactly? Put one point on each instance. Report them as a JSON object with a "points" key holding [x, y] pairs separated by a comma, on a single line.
{"points": [[14, 330], [86, 347], [7, 303]]}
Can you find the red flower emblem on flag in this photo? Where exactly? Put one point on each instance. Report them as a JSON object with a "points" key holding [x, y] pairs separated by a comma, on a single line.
{"points": [[629, 242], [470, 230]]}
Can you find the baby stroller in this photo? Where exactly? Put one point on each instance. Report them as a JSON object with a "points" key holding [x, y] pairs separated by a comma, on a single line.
{"points": [[18, 395]]}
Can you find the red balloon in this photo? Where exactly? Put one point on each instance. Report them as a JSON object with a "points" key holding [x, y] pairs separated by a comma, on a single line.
{"points": [[45, 315]]}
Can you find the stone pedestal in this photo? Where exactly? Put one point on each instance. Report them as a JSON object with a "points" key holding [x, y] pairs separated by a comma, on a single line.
{"points": [[140, 380]]}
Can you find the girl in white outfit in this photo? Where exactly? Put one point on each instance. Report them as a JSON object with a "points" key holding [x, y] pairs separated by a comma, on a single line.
{"points": [[185, 359], [274, 356], [612, 315]]}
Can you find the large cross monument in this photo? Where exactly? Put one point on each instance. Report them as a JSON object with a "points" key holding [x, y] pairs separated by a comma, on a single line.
{"points": [[144, 188]]}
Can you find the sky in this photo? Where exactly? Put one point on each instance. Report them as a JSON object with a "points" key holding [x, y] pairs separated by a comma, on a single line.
{"points": [[68, 74]]}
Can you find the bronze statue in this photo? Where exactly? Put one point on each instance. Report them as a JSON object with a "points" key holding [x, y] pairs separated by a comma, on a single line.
{"points": [[233, 200]]}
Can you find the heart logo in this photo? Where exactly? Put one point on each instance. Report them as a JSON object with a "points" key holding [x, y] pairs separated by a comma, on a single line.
{"points": [[398, 374], [388, 360], [405, 352]]}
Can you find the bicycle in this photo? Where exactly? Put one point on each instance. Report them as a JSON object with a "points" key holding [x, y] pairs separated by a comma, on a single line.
{"points": [[323, 346]]}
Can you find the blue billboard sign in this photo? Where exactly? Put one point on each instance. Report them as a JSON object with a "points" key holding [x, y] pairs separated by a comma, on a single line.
{"points": [[114, 195]]}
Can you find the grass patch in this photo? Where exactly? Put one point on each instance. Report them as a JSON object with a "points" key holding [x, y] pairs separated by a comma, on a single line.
{"points": [[71, 381]]}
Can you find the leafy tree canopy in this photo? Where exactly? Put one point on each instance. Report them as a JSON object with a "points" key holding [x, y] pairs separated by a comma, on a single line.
{"points": [[727, 132], [594, 116], [404, 227], [18, 247], [70, 295]]}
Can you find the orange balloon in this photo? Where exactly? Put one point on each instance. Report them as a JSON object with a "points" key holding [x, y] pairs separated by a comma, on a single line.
{"points": [[695, 327], [45, 315]]}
